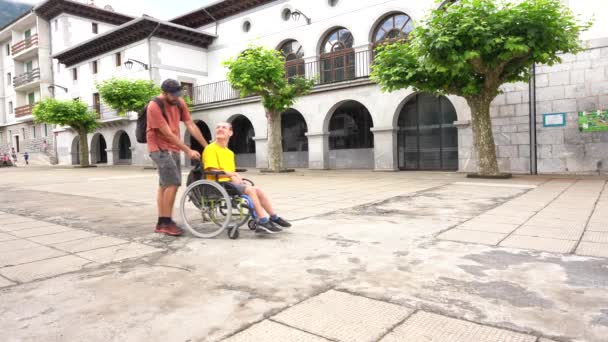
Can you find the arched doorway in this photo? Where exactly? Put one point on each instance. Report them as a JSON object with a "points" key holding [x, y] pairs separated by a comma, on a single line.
{"points": [[98, 150], [242, 143], [428, 139], [122, 149], [194, 144], [295, 141], [337, 56], [76, 151], [351, 141]]}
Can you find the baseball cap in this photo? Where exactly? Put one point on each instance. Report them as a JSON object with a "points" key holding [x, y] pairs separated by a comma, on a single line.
{"points": [[172, 87]]}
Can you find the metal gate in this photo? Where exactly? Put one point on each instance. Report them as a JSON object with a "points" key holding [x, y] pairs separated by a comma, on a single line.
{"points": [[428, 139]]}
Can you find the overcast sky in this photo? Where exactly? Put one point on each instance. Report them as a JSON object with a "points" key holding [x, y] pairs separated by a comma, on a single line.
{"points": [[161, 9]]}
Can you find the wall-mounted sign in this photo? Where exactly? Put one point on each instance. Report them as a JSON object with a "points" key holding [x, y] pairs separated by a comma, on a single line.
{"points": [[596, 121], [554, 120]]}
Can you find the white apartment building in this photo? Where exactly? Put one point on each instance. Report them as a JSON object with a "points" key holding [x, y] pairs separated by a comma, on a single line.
{"points": [[347, 122]]}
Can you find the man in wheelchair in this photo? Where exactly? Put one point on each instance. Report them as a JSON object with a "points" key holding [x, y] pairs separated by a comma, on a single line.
{"points": [[217, 157]]}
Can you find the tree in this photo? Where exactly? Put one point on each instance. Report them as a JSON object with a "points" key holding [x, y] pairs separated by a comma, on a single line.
{"points": [[471, 47], [261, 71], [126, 95], [73, 113]]}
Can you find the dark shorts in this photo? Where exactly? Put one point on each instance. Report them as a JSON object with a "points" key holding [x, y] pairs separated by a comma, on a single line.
{"points": [[240, 187], [169, 169]]}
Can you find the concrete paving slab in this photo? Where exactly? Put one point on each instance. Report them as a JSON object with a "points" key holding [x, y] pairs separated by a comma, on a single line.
{"points": [[428, 327], [24, 225], [5, 282], [272, 331], [562, 234], [27, 233], [87, 244], [539, 243], [598, 237], [7, 237], [44, 268], [501, 219], [593, 249], [472, 236], [15, 220], [62, 237], [538, 222], [488, 227], [598, 226], [14, 245], [344, 317], [23, 256], [118, 253]]}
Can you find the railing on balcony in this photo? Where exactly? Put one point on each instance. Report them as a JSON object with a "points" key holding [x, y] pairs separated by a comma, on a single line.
{"points": [[24, 110], [26, 78], [326, 70], [24, 44], [104, 112]]}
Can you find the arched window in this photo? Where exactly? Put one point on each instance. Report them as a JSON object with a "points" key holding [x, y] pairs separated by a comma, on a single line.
{"points": [[337, 56], [294, 58], [393, 27]]}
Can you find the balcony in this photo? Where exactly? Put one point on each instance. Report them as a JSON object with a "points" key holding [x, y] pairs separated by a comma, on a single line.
{"points": [[326, 71], [24, 111], [26, 48], [105, 113], [27, 80]]}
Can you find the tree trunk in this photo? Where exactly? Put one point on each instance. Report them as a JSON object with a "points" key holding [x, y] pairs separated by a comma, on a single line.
{"points": [[84, 148], [482, 135], [275, 145]]}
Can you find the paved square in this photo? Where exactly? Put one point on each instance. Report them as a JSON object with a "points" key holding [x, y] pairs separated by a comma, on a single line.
{"points": [[423, 326], [344, 317], [272, 331]]}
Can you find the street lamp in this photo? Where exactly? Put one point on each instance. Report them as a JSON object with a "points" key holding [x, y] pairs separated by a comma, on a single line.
{"points": [[296, 16], [129, 64], [53, 86]]}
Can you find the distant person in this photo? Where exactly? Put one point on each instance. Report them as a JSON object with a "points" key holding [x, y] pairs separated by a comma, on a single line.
{"points": [[6, 161], [26, 157], [44, 146], [14, 155], [164, 114]]}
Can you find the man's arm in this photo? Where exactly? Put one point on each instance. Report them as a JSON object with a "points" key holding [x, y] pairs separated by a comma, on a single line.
{"points": [[196, 133], [166, 131]]}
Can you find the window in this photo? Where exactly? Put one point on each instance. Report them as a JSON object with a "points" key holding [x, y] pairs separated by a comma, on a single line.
{"points": [[23, 133], [338, 56], [75, 74], [27, 34], [188, 90], [286, 14], [94, 67], [31, 98], [8, 49], [9, 79], [29, 66], [58, 66], [56, 25], [46, 130], [34, 132], [332, 3], [10, 107], [96, 103], [118, 59], [294, 63], [246, 26], [394, 27], [95, 28]]}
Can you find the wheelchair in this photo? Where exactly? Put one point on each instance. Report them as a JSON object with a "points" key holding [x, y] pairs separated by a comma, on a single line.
{"points": [[210, 207]]}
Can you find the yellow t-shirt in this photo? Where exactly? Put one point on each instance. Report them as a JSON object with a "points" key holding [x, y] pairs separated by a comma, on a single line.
{"points": [[220, 158]]}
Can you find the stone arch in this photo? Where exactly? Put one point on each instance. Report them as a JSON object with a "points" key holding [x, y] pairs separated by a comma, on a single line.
{"points": [[98, 152], [295, 141], [122, 148], [350, 139], [193, 143], [242, 142]]}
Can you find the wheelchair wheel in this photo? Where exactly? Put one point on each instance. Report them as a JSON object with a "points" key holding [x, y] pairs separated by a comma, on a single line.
{"points": [[201, 209], [252, 225]]}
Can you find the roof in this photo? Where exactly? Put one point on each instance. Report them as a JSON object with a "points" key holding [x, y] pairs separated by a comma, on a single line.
{"points": [[52, 8], [131, 32], [218, 10]]}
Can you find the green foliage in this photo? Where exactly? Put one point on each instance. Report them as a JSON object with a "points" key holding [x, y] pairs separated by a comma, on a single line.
{"points": [[261, 71], [471, 47], [127, 95], [73, 113], [188, 102]]}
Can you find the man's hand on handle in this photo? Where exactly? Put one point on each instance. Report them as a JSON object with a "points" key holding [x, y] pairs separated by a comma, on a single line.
{"points": [[194, 155]]}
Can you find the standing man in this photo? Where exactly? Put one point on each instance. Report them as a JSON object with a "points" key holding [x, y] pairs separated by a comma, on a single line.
{"points": [[164, 145], [14, 155]]}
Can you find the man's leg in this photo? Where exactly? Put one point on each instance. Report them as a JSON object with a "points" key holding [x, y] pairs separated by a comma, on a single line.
{"points": [[169, 201], [265, 201], [259, 208]]}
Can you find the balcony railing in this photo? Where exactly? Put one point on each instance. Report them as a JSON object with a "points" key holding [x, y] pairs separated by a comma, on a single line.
{"points": [[26, 78], [24, 44], [24, 110], [326, 70], [103, 112]]}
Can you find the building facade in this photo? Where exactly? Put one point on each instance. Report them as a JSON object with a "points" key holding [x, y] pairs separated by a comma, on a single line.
{"points": [[347, 121]]}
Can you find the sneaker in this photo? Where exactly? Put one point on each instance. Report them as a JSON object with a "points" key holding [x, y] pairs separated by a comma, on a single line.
{"points": [[169, 229], [268, 228], [281, 222]]}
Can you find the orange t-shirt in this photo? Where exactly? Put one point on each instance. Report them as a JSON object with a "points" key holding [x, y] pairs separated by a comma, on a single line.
{"points": [[156, 119]]}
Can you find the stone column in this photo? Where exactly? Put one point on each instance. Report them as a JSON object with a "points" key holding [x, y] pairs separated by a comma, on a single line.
{"points": [[261, 152], [318, 151], [385, 149], [110, 153]]}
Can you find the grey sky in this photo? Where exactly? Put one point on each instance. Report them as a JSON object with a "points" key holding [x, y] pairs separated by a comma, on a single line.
{"points": [[161, 9]]}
